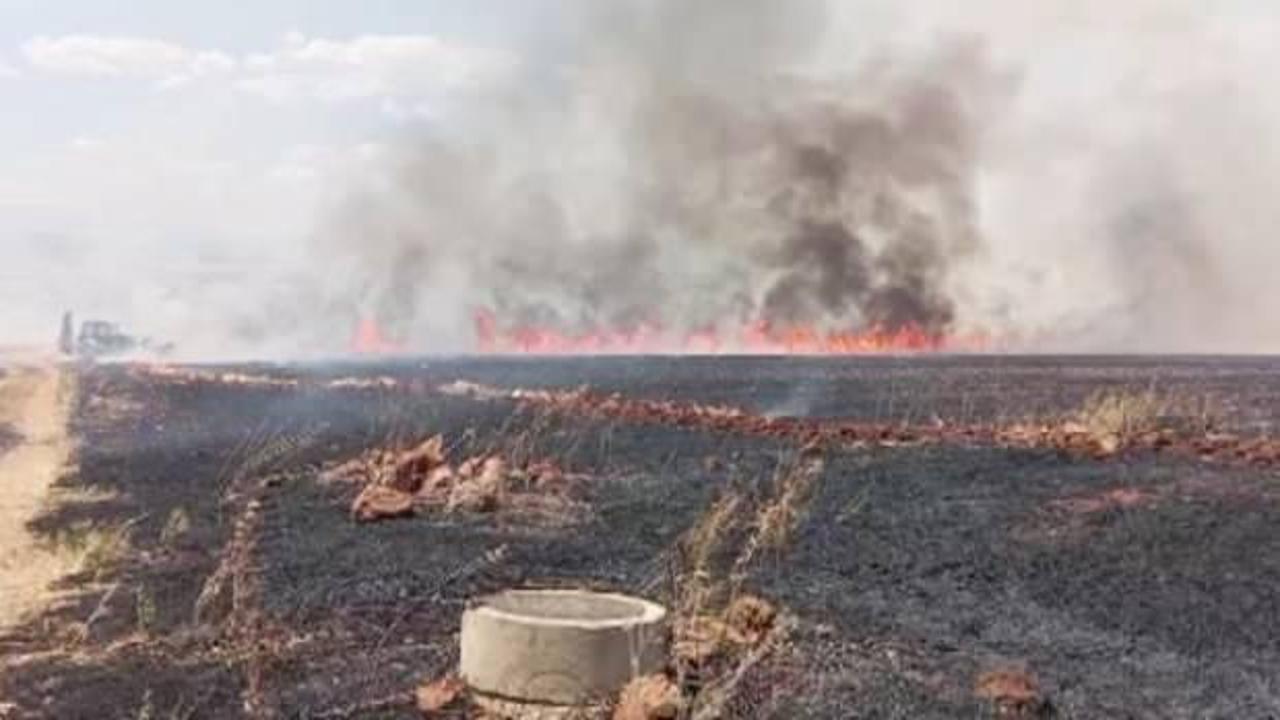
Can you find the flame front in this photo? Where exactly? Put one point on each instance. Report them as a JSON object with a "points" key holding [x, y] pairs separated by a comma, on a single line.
{"points": [[759, 338], [369, 339]]}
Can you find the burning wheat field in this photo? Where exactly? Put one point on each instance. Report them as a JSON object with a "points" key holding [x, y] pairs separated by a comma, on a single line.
{"points": [[916, 537]]}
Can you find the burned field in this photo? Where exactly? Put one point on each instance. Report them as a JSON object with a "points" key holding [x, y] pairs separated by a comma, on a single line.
{"points": [[938, 538]]}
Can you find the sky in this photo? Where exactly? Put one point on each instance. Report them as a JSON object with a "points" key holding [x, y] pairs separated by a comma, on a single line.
{"points": [[205, 137], [213, 138], [112, 108]]}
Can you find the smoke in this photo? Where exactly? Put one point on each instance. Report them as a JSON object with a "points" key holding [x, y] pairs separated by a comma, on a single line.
{"points": [[1122, 201], [1048, 178], [689, 166], [1066, 175]]}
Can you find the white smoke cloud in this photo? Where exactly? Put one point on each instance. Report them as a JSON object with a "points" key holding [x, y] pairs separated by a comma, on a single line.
{"points": [[1125, 199]]}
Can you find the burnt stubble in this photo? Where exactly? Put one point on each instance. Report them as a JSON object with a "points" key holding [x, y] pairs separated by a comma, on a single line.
{"points": [[1136, 584]]}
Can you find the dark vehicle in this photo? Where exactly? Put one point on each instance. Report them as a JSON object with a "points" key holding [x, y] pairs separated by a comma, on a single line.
{"points": [[103, 338], [99, 338]]}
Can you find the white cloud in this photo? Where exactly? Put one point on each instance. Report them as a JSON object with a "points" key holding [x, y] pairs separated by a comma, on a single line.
{"points": [[369, 66], [402, 68], [310, 164], [7, 70], [96, 56], [86, 143]]}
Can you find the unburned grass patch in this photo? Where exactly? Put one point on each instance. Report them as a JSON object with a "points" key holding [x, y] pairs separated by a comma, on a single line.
{"points": [[94, 549], [1124, 413]]}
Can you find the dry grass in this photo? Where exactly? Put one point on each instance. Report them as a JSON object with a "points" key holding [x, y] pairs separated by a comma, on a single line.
{"points": [[793, 485], [769, 523], [145, 610], [1119, 414], [176, 528], [91, 548], [721, 632], [701, 545]]}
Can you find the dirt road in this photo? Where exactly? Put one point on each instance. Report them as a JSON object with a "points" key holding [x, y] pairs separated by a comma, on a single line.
{"points": [[34, 403]]}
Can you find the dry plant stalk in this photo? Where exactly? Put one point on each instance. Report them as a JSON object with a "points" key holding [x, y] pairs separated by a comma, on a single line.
{"points": [[793, 488], [778, 517], [709, 533], [719, 629]]}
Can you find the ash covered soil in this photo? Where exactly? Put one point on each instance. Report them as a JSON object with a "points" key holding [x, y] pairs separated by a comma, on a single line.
{"points": [[1129, 584]]}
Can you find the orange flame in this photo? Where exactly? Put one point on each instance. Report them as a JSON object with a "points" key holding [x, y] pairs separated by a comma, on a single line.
{"points": [[370, 340], [754, 338], [757, 338]]}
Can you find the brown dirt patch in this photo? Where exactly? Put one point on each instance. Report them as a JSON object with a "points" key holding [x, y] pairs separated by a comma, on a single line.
{"points": [[34, 402]]}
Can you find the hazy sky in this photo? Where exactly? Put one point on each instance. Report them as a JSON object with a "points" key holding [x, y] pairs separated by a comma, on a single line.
{"points": [[181, 135], [175, 134], [150, 119]]}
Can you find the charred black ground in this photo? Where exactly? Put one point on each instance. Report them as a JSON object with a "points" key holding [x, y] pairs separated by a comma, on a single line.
{"points": [[1136, 586]]}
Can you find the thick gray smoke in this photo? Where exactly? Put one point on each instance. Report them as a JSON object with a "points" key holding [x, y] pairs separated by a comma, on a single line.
{"points": [[1075, 177], [689, 167]]}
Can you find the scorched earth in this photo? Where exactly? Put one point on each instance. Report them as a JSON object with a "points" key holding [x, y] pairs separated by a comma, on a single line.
{"points": [[931, 537]]}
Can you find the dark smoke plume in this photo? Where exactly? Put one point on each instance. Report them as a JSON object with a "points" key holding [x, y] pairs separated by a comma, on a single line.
{"points": [[688, 167]]}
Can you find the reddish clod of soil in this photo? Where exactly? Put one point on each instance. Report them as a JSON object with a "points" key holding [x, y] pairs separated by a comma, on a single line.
{"points": [[396, 483], [1015, 693], [653, 697], [440, 696], [377, 502]]}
